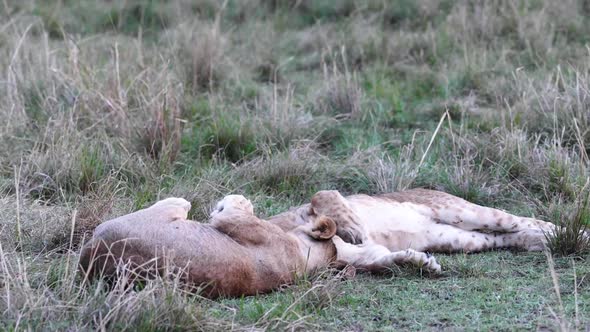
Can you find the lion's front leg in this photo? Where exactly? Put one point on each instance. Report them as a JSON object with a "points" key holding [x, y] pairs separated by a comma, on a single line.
{"points": [[234, 216], [408, 256], [377, 258], [233, 204]]}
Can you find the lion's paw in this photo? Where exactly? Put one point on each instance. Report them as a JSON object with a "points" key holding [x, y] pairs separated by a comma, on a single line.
{"points": [[174, 202], [232, 204], [431, 264], [424, 260], [532, 239], [352, 233], [173, 208]]}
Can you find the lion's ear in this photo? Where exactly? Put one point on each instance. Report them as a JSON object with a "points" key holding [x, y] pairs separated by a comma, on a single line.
{"points": [[324, 228]]}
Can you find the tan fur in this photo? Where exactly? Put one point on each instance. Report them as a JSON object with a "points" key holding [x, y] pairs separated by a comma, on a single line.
{"points": [[240, 254], [422, 220], [236, 254]]}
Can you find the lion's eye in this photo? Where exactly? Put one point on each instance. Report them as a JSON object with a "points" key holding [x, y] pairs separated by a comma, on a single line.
{"points": [[220, 208]]}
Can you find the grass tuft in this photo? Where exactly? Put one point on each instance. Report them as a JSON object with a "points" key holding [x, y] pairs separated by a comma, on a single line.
{"points": [[571, 237], [200, 56], [341, 95]]}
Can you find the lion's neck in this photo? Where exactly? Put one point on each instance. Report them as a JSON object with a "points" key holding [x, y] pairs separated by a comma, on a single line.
{"points": [[291, 219]]}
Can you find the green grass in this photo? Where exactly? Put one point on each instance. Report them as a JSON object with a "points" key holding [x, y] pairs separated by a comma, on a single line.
{"points": [[499, 290], [108, 106], [485, 291]]}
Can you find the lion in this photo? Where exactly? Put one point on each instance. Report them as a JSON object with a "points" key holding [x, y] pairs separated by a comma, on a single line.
{"points": [[235, 254], [422, 220]]}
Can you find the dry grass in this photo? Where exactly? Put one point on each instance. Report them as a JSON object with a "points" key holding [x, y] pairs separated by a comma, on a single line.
{"points": [[108, 106], [340, 95]]}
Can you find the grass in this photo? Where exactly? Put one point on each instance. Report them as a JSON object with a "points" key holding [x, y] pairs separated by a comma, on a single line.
{"points": [[571, 235], [108, 106]]}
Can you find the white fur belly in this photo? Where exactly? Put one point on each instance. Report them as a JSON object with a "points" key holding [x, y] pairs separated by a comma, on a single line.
{"points": [[397, 226]]}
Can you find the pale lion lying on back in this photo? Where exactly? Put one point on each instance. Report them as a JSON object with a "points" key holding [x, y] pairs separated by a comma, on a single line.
{"points": [[420, 219], [240, 254], [235, 254]]}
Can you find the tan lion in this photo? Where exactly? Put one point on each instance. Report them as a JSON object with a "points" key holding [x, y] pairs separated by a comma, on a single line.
{"points": [[240, 254], [235, 254]]}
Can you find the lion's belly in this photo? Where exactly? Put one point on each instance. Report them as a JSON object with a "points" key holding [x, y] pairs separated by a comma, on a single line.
{"points": [[397, 226]]}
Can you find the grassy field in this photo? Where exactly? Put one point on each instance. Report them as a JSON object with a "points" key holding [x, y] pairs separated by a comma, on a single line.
{"points": [[107, 106]]}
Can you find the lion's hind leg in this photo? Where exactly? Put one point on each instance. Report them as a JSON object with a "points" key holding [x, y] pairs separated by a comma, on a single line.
{"points": [[474, 217], [448, 239], [455, 211]]}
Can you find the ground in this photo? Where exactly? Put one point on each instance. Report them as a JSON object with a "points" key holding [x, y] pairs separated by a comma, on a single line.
{"points": [[109, 106], [494, 291]]}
